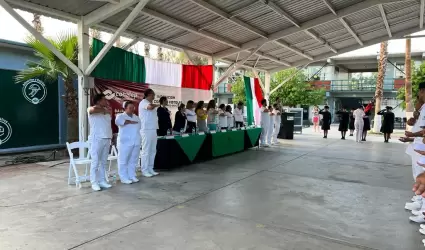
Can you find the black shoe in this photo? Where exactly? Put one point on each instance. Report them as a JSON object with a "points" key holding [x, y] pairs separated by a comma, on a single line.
{"points": [[363, 139], [351, 134], [343, 138]]}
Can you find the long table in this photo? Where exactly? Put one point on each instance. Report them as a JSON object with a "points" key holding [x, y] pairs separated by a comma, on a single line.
{"points": [[179, 151]]}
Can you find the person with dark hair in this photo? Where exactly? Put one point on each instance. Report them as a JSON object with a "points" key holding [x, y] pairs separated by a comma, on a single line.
{"points": [[164, 120], [366, 119], [222, 118], [344, 119], [277, 121], [387, 122], [271, 125], [180, 120], [351, 124], [190, 117], [148, 126], [201, 116], [99, 116], [230, 118], [238, 113], [316, 118], [326, 121], [265, 123], [212, 115], [128, 143], [358, 122]]}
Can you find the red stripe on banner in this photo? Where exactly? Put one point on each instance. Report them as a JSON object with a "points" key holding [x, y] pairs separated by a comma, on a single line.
{"points": [[197, 77], [258, 92]]}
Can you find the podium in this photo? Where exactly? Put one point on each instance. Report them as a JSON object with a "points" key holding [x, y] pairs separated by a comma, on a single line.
{"points": [[287, 126]]}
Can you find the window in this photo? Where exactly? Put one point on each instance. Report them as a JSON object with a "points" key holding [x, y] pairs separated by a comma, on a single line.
{"points": [[398, 73], [229, 100]]}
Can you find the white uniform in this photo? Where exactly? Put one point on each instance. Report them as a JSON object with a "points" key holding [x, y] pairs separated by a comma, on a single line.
{"points": [[100, 141], [128, 145], [358, 123], [148, 126], [222, 119], [277, 121], [271, 128], [416, 169], [265, 123], [230, 120], [238, 115]]}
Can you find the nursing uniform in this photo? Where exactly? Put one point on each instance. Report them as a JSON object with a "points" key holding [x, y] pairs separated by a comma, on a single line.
{"points": [[238, 114], [230, 120], [265, 122], [271, 127], [128, 142], [148, 126], [100, 141], [191, 120], [358, 115], [222, 119], [277, 122]]}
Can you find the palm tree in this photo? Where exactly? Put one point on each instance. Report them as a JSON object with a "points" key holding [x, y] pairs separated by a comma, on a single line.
{"points": [[50, 68], [36, 22], [382, 67], [147, 49], [408, 81], [160, 54]]}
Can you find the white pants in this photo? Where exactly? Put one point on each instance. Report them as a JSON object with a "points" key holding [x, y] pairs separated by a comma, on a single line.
{"points": [[270, 133], [99, 151], [276, 131], [358, 125], [149, 140], [128, 158], [264, 131], [416, 169]]}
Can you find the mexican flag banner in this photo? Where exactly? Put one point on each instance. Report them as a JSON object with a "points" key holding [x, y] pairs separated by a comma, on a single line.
{"points": [[254, 95]]}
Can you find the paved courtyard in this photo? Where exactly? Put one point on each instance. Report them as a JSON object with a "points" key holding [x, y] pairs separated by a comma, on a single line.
{"points": [[308, 193]]}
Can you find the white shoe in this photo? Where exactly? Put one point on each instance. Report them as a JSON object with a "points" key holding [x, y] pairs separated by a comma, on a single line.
{"points": [[95, 187], [417, 205], [264, 146], [152, 172], [126, 181], [417, 219], [422, 226], [147, 175], [104, 185], [423, 241], [416, 198], [418, 212], [134, 180], [421, 230]]}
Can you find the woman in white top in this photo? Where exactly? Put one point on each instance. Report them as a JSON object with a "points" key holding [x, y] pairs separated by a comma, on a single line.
{"points": [[190, 116], [277, 121], [222, 117], [230, 118], [128, 143], [271, 125], [212, 116], [265, 121], [238, 114], [358, 115], [316, 118]]}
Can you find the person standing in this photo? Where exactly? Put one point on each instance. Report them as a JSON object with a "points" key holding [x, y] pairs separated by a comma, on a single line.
{"points": [[190, 116], [148, 126], [230, 118], [387, 123], [366, 119], [277, 122], [265, 121], [351, 124], [326, 121], [316, 118], [201, 116], [344, 119], [358, 122], [99, 116], [238, 113], [164, 120], [212, 115], [270, 130], [222, 117], [128, 143], [180, 120]]}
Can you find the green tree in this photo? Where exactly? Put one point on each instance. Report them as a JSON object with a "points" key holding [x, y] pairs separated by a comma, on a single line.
{"points": [[238, 89], [49, 67], [418, 76]]}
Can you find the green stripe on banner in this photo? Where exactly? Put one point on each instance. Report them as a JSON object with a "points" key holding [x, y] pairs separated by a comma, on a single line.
{"points": [[253, 134], [249, 107], [224, 143], [191, 145], [119, 64]]}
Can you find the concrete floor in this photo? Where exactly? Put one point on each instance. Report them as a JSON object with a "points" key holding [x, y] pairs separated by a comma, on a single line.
{"points": [[309, 193]]}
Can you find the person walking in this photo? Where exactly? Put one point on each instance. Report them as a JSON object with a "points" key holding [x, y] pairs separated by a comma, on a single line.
{"points": [[358, 115]]}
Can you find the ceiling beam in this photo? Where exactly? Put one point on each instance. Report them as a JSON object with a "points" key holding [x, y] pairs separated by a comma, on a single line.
{"points": [[108, 1], [244, 9], [282, 13], [170, 39], [131, 44], [421, 16], [304, 26], [374, 41], [293, 49], [350, 30], [107, 11], [61, 15], [384, 18], [258, 59], [330, 7], [320, 40]]}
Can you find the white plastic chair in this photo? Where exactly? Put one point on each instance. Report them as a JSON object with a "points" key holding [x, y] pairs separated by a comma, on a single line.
{"points": [[113, 156], [74, 162]]}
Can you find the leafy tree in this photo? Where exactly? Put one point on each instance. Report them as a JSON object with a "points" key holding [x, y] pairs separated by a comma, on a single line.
{"points": [[238, 89], [418, 76]]}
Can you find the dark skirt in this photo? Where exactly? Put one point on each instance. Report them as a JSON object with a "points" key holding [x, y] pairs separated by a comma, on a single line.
{"points": [[366, 126], [351, 124], [387, 128], [343, 126], [326, 125]]}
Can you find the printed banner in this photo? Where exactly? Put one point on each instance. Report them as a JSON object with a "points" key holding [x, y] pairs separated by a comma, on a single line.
{"points": [[117, 92]]}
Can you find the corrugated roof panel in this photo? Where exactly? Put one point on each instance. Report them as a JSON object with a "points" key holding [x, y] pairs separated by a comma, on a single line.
{"points": [[362, 16], [337, 35], [269, 47], [231, 31], [318, 50], [346, 42], [184, 11], [340, 4], [307, 45], [282, 52], [404, 24], [368, 28], [207, 45], [186, 39], [402, 14], [296, 38], [328, 27], [303, 10], [373, 34], [76, 7], [265, 19], [232, 5], [293, 58], [395, 6]]}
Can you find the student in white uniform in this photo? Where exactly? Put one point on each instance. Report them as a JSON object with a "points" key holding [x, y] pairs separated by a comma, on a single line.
{"points": [[271, 125], [100, 140], [230, 118], [358, 115], [191, 117], [222, 117], [265, 121], [128, 143], [238, 114], [277, 121], [148, 125]]}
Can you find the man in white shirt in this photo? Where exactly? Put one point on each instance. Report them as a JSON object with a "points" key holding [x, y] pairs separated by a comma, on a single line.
{"points": [[277, 121], [128, 143], [238, 114], [190, 116], [222, 117], [100, 140], [358, 115], [148, 125], [265, 122]]}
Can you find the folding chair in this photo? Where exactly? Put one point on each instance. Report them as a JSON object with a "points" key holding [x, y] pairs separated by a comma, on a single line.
{"points": [[113, 156], [74, 162]]}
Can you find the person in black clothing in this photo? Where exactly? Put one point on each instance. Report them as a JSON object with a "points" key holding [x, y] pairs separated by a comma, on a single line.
{"points": [[351, 124], [326, 121], [180, 119], [164, 120], [387, 123], [344, 118]]}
